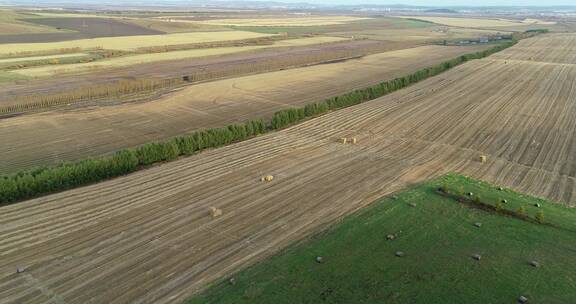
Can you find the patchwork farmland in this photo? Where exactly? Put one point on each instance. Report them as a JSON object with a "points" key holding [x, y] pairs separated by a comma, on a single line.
{"points": [[43, 139], [148, 237]]}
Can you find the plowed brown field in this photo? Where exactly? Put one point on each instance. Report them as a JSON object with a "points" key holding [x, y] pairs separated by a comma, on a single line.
{"points": [[42, 139], [148, 237]]}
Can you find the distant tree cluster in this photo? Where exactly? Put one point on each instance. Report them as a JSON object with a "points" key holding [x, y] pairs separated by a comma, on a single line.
{"points": [[538, 31], [33, 183]]}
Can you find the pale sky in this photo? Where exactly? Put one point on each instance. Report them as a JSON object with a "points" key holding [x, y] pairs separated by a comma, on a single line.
{"points": [[447, 2]]}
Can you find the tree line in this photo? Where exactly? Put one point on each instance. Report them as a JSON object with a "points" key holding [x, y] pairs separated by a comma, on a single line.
{"points": [[287, 117], [33, 183]]}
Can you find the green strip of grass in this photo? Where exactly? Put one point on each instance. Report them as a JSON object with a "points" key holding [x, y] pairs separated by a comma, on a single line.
{"points": [[438, 237], [507, 200], [10, 77]]}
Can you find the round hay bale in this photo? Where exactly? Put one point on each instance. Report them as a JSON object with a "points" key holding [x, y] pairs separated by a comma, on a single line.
{"points": [[390, 237], [413, 205], [537, 205], [470, 193], [522, 299], [477, 257], [478, 225], [319, 259], [232, 281], [399, 254], [504, 201], [535, 264], [20, 269]]}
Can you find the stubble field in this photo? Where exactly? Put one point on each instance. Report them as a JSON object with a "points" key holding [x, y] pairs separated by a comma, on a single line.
{"points": [[42, 139], [148, 237], [468, 22], [130, 42], [78, 68], [293, 21]]}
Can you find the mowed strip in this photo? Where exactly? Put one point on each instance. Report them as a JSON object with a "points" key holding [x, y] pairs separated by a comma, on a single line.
{"points": [[36, 140], [158, 57], [131, 42], [35, 58], [149, 237]]}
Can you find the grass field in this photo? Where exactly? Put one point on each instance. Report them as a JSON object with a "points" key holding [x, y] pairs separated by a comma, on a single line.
{"points": [[131, 42], [34, 58], [11, 77], [467, 22], [155, 57], [354, 28], [10, 24], [438, 238], [296, 21]]}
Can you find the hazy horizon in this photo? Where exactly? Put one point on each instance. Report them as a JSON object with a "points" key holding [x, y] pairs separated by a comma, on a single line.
{"points": [[428, 3], [442, 2]]}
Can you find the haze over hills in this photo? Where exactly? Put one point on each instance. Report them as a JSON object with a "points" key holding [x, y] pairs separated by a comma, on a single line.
{"points": [[310, 4]]}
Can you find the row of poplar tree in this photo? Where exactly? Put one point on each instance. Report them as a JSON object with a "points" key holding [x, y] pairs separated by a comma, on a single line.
{"points": [[33, 183]]}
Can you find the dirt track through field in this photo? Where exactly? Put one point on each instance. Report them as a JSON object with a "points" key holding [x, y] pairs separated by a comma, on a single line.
{"points": [[34, 140], [148, 237]]}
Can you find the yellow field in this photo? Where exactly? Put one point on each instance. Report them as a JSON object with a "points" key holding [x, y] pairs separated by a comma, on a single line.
{"points": [[34, 58], [422, 34], [308, 41], [467, 22], [71, 15], [538, 21], [10, 25], [132, 42], [168, 26], [155, 57], [296, 21]]}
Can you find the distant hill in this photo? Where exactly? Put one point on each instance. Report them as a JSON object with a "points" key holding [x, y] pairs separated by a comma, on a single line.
{"points": [[441, 11]]}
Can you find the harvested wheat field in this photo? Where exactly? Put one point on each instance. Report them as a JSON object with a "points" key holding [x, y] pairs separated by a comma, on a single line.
{"points": [[53, 70], [295, 21], [41, 139], [34, 58], [551, 48], [11, 23], [131, 42], [149, 237], [467, 22]]}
